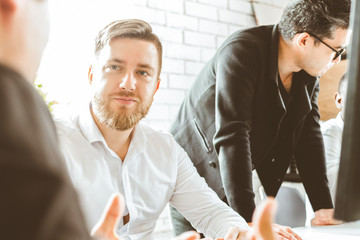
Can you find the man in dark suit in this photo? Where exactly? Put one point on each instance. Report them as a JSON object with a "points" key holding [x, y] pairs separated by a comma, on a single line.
{"points": [[254, 106]]}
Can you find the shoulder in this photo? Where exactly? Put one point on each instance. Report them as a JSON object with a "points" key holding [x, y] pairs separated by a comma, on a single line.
{"points": [[255, 36], [157, 136], [330, 127], [66, 123], [162, 143], [249, 47]]}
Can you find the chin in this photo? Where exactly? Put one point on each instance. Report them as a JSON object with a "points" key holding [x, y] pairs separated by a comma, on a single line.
{"points": [[313, 73]]}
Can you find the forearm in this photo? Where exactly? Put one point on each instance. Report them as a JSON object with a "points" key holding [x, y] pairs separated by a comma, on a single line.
{"points": [[236, 176], [200, 205]]}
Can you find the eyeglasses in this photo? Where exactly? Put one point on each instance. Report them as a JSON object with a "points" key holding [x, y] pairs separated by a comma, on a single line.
{"points": [[337, 52]]}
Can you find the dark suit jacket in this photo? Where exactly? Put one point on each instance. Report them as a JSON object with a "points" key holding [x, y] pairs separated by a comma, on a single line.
{"points": [[230, 121], [37, 199]]}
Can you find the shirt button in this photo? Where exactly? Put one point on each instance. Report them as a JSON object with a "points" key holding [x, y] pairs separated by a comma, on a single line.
{"points": [[212, 164], [273, 160], [278, 179]]}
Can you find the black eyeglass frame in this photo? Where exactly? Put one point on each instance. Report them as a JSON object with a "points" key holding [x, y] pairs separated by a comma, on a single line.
{"points": [[337, 52]]}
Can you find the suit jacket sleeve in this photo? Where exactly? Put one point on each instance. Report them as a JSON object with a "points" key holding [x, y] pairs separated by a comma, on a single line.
{"points": [[310, 158], [236, 74]]}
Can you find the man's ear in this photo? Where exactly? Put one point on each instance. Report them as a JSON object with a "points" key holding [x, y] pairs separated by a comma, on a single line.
{"points": [[302, 39], [339, 101], [157, 85], [90, 73], [7, 8]]}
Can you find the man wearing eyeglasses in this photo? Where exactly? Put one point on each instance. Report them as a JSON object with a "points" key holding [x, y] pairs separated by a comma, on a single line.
{"points": [[254, 107]]}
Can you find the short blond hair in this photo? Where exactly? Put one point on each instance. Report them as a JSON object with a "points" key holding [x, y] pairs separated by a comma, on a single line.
{"points": [[128, 28]]}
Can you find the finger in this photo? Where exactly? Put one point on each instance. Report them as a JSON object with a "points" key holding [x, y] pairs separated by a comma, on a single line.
{"points": [[295, 235], [232, 234], [242, 235], [284, 232], [106, 226], [263, 219], [191, 235]]}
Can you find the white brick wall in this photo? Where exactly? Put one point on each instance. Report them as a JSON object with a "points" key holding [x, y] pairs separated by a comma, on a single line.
{"points": [[199, 39], [167, 5], [241, 6], [201, 10]]}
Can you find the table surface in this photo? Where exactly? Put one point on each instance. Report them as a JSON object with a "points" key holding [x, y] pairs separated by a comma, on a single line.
{"points": [[346, 231]]}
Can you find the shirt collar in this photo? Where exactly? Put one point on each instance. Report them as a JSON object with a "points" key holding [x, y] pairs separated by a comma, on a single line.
{"points": [[88, 126], [92, 133], [138, 141], [339, 121]]}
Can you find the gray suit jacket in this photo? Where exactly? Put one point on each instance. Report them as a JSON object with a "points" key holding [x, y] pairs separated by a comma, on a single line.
{"points": [[230, 122], [37, 199]]}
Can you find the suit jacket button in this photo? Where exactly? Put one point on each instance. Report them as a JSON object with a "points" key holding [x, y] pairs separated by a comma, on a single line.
{"points": [[212, 164]]}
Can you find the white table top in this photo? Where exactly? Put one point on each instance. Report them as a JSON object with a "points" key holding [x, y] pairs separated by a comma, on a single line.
{"points": [[346, 231]]}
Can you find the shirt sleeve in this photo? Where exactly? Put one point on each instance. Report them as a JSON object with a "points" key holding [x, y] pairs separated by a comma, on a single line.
{"points": [[332, 142], [199, 204]]}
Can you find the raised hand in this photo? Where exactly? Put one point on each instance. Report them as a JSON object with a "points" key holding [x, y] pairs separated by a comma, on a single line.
{"points": [[105, 228]]}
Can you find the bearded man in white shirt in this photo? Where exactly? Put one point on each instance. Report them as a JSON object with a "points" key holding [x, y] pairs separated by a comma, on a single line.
{"points": [[332, 133], [108, 150]]}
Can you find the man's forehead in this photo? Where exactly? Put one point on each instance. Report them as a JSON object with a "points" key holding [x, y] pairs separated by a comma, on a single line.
{"points": [[145, 53]]}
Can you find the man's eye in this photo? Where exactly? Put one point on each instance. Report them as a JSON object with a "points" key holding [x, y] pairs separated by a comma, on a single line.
{"points": [[143, 73], [114, 67]]}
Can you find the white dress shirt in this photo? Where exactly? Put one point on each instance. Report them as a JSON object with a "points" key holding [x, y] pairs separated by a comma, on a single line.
{"points": [[332, 133], [155, 171]]}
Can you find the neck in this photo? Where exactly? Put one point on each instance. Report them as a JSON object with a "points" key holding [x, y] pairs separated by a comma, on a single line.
{"points": [[14, 55], [118, 141], [287, 63]]}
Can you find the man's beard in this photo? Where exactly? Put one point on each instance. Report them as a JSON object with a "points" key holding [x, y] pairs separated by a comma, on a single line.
{"points": [[120, 119]]}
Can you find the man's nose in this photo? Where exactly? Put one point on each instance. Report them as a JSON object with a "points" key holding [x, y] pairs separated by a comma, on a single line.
{"points": [[337, 60], [128, 82]]}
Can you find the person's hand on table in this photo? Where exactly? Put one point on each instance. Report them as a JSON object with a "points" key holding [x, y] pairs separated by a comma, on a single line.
{"points": [[324, 217], [284, 232], [263, 227]]}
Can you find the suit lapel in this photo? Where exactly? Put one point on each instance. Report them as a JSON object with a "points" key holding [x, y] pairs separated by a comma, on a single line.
{"points": [[302, 96]]}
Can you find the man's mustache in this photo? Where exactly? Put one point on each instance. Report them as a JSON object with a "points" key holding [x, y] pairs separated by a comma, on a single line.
{"points": [[125, 94]]}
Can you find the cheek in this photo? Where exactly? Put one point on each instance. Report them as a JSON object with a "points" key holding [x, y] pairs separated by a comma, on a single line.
{"points": [[99, 88], [146, 91]]}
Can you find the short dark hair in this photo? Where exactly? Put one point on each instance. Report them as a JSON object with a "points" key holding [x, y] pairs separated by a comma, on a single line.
{"points": [[342, 83], [319, 17], [129, 28]]}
